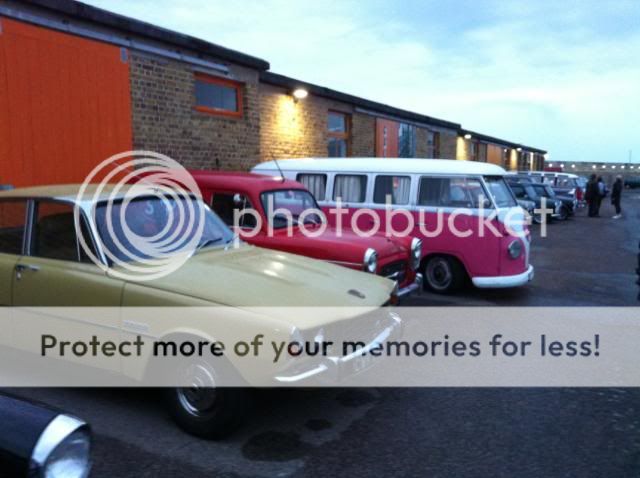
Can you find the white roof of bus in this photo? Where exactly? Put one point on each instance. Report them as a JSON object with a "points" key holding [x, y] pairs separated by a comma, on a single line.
{"points": [[382, 165]]}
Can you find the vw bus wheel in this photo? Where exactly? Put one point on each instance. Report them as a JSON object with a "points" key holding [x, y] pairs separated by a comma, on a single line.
{"points": [[203, 409], [443, 274]]}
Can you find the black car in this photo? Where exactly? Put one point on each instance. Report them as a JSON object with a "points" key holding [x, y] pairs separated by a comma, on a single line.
{"points": [[524, 189], [37, 441], [568, 203]]}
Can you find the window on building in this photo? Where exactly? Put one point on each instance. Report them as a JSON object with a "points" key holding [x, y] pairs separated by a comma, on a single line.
{"points": [[316, 183], [397, 187], [218, 95], [433, 144], [406, 141], [12, 220], [451, 192], [350, 187], [473, 151], [338, 134]]}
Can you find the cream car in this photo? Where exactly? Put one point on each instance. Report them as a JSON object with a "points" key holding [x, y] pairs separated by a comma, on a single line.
{"points": [[42, 264]]}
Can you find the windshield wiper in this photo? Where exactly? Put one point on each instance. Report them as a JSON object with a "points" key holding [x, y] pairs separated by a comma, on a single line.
{"points": [[208, 242]]}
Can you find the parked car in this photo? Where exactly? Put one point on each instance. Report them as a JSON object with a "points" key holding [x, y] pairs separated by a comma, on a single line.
{"points": [[427, 189], [523, 189], [632, 182], [42, 264], [567, 203], [229, 193], [38, 441]]}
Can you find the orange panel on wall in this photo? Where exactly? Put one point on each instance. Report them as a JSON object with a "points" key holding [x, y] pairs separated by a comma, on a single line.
{"points": [[65, 105], [386, 138]]}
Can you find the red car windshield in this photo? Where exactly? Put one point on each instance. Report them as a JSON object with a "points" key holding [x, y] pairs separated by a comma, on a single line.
{"points": [[283, 207]]}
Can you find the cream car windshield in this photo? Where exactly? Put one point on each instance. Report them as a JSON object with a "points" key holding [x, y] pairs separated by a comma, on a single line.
{"points": [[174, 222]]}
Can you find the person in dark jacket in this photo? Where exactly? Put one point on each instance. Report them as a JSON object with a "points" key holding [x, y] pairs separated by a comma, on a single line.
{"points": [[592, 196], [616, 196]]}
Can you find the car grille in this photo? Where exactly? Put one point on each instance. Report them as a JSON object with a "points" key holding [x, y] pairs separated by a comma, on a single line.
{"points": [[395, 270]]}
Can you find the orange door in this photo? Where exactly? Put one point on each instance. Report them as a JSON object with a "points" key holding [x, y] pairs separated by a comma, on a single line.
{"points": [[64, 104], [386, 138]]}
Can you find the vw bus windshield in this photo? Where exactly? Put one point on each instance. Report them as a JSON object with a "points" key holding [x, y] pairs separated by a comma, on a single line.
{"points": [[500, 192]]}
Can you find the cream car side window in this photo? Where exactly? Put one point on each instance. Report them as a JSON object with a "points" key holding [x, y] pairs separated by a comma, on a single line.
{"points": [[12, 226]]}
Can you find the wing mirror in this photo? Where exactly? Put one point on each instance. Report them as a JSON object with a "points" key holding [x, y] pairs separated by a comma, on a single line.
{"points": [[238, 200]]}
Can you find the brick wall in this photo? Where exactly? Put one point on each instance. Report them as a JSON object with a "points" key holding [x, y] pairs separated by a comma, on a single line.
{"points": [[448, 145], [363, 139], [165, 121]]}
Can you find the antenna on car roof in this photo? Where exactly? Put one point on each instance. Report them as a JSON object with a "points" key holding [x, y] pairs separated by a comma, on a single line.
{"points": [[278, 166]]}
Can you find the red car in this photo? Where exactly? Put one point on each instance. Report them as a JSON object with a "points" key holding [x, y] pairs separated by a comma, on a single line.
{"points": [[228, 193]]}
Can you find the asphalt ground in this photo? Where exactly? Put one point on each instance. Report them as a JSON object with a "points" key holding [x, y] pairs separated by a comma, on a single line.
{"points": [[411, 432]]}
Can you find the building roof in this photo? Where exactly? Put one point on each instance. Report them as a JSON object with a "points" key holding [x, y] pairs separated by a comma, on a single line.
{"points": [[501, 142], [82, 11], [381, 165], [291, 84]]}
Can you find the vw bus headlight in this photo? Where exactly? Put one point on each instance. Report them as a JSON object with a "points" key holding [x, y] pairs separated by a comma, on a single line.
{"points": [[515, 249], [370, 261], [416, 253]]}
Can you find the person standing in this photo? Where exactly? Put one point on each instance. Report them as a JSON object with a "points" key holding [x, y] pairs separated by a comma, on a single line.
{"points": [[591, 195], [602, 193], [616, 196]]}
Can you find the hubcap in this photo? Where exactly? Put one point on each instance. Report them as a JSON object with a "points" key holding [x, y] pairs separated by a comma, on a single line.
{"points": [[439, 274], [200, 398]]}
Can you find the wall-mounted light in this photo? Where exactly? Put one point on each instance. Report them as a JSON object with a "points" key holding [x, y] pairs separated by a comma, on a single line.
{"points": [[518, 149], [551, 165], [613, 167], [467, 136], [603, 166], [594, 166], [573, 166], [299, 94], [562, 166], [622, 167]]}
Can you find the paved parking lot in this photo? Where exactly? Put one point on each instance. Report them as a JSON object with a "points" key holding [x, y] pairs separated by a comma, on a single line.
{"points": [[411, 432]]}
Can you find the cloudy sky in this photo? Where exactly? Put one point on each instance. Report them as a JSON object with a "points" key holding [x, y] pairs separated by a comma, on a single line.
{"points": [[562, 76]]}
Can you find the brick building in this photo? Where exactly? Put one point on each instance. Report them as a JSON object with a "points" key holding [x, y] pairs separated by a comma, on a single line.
{"points": [[79, 84]]}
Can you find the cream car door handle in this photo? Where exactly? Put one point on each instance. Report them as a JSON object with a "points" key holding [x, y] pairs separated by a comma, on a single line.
{"points": [[20, 268]]}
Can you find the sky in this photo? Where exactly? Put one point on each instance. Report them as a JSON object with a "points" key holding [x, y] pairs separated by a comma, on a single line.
{"points": [[563, 76]]}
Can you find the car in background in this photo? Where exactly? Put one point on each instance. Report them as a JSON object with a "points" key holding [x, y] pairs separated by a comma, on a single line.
{"points": [[42, 264], [229, 193], [523, 189], [632, 182], [564, 184], [567, 203], [38, 441]]}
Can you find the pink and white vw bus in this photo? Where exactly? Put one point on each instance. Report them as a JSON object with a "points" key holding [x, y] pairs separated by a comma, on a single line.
{"points": [[467, 217]]}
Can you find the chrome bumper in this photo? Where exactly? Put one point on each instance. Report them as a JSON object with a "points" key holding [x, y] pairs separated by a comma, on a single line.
{"points": [[501, 282], [416, 285], [333, 370]]}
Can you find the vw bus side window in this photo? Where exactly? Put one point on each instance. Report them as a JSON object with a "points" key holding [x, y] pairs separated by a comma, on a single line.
{"points": [[397, 187], [12, 220], [451, 192], [316, 183], [350, 187]]}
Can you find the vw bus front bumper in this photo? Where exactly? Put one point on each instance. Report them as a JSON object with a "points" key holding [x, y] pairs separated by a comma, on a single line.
{"points": [[502, 282]]}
